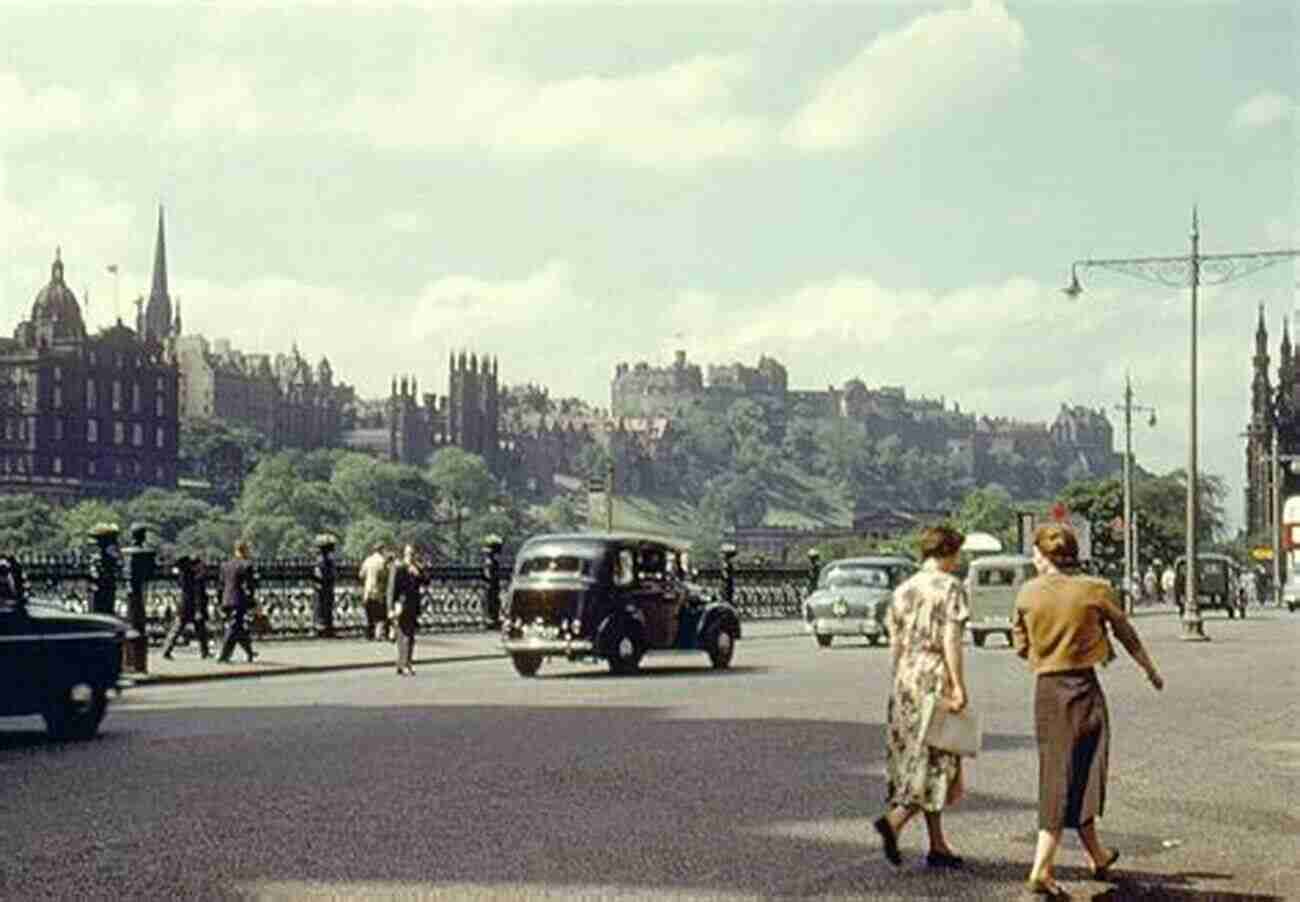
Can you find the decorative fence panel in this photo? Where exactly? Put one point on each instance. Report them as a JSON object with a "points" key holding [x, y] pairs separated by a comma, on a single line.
{"points": [[454, 598]]}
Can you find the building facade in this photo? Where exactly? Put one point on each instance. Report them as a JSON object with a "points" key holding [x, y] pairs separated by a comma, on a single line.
{"points": [[85, 414]]}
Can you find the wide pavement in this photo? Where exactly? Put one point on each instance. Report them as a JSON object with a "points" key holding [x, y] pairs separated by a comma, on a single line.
{"points": [[467, 781]]}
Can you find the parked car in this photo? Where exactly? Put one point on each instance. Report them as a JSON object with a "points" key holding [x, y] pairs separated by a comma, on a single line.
{"points": [[992, 584], [54, 662], [1218, 580], [852, 598], [610, 596]]}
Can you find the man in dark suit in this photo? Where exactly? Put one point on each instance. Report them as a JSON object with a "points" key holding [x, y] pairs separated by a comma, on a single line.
{"points": [[405, 581], [191, 574], [238, 594]]}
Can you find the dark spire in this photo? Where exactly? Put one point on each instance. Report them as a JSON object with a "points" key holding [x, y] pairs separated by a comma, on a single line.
{"points": [[159, 289], [1261, 334], [157, 321]]}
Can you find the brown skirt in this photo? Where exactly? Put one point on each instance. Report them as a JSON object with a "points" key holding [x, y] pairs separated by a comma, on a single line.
{"points": [[1073, 729]]}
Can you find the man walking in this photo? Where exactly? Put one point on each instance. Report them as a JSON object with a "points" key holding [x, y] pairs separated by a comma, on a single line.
{"points": [[238, 592], [405, 580], [192, 576], [374, 593]]}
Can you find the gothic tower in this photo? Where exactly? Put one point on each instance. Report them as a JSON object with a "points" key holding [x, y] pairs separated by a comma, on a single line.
{"points": [[1259, 471], [156, 325]]}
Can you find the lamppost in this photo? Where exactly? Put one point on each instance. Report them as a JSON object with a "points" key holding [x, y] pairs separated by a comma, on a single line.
{"points": [[1130, 536], [1191, 270]]}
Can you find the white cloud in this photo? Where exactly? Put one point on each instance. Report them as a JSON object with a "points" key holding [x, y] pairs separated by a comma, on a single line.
{"points": [[32, 111], [1262, 110], [913, 77], [462, 308], [209, 95], [1102, 61], [679, 114]]}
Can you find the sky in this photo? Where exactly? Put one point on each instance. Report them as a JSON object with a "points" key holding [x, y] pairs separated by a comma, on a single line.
{"points": [[885, 191]]}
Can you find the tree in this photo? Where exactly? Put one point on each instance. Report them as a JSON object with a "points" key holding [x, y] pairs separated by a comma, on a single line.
{"points": [[562, 515], [220, 453], [268, 490], [989, 509], [462, 479], [364, 534], [76, 522], [318, 508], [167, 513], [28, 525], [212, 539]]}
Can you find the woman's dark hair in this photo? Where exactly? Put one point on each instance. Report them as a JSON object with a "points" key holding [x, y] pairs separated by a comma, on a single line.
{"points": [[1058, 544], [940, 541]]}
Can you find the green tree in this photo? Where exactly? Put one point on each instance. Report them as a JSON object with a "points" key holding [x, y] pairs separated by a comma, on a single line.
{"points": [[213, 538], [365, 533], [29, 525], [462, 479], [989, 509], [76, 522], [561, 514], [318, 508], [167, 513]]}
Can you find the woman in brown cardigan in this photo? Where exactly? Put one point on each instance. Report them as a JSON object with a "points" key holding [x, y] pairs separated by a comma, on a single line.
{"points": [[1060, 625]]}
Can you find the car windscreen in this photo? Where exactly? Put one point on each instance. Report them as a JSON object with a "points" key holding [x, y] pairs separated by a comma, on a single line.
{"points": [[866, 577], [557, 565]]}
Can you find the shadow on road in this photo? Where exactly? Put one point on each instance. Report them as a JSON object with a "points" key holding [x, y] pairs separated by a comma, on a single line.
{"points": [[508, 800]]}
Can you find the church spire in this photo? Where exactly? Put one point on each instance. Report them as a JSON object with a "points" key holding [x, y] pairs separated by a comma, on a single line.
{"points": [[159, 289], [157, 323]]}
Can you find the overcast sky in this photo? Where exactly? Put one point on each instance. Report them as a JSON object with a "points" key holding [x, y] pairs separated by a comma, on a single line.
{"points": [[888, 191]]}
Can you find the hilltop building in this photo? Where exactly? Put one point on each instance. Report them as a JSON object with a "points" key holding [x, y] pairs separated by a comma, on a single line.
{"points": [[88, 414]]}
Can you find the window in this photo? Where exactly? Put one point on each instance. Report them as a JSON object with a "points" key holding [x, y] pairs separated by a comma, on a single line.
{"points": [[93, 358], [135, 468], [119, 433], [9, 430], [58, 430], [158, 403], [135, 397], [160, 474], [90, 468], [623, 570], [117, 394], [58, 374], [90, 394], [92, 431], [159, 438], [160, 384], [58, 397], [56, 466], [117, 469], [561, 565], [137, 435]]}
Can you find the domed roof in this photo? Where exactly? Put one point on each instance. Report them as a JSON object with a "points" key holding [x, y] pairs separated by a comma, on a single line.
{"points": [[57, 305]]}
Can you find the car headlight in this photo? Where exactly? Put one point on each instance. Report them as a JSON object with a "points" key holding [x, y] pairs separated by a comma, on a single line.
{"points": [[840, 608]]}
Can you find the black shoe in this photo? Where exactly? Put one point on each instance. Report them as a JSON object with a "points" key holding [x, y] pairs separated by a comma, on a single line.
{"points": [[252, 656], [944, 860], [890, 840], [224, 661], [167, 655]]}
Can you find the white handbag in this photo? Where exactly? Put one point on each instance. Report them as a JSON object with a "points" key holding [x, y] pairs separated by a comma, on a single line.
{"points": [[957, 733]]}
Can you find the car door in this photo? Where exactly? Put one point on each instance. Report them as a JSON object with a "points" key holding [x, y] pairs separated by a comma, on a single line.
{"points": [[19, 658]]}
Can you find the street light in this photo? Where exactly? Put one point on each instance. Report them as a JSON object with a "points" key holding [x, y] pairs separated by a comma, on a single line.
{"points": [[1130, 546], [1191, 270]]}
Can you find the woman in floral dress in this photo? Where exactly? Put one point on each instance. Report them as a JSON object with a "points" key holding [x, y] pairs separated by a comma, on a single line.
{"points": [[926, 622]]}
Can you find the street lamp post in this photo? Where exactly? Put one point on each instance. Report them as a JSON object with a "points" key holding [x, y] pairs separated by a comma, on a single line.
{"points": [[1130, 534], [1191, 270]]}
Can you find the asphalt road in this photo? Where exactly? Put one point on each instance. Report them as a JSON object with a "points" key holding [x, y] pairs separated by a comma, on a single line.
{"points": [[684, 783]]}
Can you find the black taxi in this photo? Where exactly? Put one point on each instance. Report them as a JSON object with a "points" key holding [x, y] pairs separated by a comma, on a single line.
{"points": [[55, 662], [610, 596]]}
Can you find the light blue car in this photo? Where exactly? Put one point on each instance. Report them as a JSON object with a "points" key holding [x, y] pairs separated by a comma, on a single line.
{"points": [[852, 598]]}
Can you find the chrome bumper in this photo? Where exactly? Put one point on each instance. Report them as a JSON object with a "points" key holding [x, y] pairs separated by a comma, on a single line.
{"points": [[539, 646], [844, 626]]}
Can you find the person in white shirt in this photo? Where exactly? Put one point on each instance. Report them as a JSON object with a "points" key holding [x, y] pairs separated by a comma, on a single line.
{"points": [[374, 593]]}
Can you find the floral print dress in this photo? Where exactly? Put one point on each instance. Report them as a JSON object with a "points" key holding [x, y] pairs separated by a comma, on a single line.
{"points": [[923, 606]]}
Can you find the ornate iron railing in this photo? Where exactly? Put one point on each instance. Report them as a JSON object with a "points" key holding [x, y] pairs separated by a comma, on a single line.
{"points": [[454, 598]]}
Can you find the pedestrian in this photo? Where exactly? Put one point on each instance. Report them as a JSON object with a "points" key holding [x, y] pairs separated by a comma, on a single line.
{"points": [[374, 593], [1060, 625], [192, 577], [1168, 581], [927, 618], [1150, 584], [324, 575], [238, 595], [406, 579]]}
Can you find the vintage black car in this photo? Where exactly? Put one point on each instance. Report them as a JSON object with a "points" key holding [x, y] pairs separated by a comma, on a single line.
{"points": [[54, 662], [611, 596]]}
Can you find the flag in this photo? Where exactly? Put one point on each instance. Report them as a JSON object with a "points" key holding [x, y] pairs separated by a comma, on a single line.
{"points": [[112, 267]]}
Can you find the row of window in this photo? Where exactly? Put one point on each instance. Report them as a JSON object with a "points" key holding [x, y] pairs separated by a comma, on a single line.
{"points": [[21, 428], [92, 396], [25, 464]]}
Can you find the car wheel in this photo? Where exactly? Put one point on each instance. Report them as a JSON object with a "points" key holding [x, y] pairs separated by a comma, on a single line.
{"points": [[720, 643], [527, 665], [625, 650], [824, 640], [977, 638], [77, 712]]}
